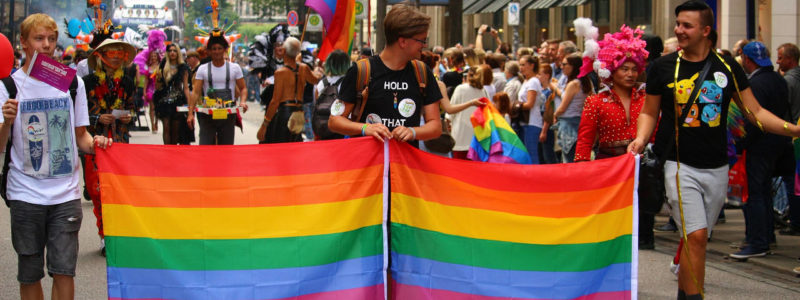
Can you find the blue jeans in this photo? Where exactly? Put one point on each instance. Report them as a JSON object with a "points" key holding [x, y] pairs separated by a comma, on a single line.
{"points": [[567, 137], [531, 141]]}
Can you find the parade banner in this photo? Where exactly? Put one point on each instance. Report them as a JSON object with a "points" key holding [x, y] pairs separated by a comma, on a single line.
{"points": [[479, 231], [289, 221]]}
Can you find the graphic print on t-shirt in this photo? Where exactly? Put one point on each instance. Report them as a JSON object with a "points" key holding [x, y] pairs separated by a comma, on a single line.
{"points": [[707, 109], [47, 146]]}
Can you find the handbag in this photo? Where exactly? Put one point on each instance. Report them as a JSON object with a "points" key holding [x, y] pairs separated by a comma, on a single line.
{"points": [[442, 144], [651, 190]]}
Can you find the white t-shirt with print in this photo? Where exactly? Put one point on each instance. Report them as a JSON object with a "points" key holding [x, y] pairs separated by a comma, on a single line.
{"points": [[44, 166], [535, 117], [218, 75]]}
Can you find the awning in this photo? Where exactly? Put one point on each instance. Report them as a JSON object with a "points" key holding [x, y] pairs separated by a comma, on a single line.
{"points": [[495, 6], [477, 7], [422, 2], [541, 4], [573, 2]]}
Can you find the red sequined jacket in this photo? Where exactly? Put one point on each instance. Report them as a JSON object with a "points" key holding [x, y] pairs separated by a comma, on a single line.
{"points": [[604, 118]]}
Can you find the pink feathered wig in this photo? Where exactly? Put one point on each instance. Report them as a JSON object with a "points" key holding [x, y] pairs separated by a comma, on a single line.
{"points": [[618, 48]]}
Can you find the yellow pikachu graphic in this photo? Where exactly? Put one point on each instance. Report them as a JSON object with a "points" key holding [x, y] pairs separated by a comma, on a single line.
{"points": [[684, 90]]}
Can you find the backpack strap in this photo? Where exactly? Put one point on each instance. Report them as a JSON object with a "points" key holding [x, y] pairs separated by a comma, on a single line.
{"points": [[362, 88], [73, 89], [325, 82], [419, 72], [10, 87]]}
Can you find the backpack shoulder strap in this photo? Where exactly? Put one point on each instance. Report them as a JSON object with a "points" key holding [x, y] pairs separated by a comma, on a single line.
{"points": [[419, 72], [10, 87], [362, 91], [325, 82], [73, 89]]}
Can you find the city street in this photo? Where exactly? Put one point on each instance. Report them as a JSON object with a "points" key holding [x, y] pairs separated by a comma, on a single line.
{"points": [[764, 278]]}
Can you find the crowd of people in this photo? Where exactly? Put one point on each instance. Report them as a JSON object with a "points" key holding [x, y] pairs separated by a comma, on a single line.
{"points": [[620, 94]]}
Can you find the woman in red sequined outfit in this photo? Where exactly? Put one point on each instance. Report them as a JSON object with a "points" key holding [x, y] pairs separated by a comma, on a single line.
{"points": [[609, 117]]}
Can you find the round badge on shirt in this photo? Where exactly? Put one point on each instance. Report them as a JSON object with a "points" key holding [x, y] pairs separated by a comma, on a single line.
{"points": [[374, 119], [407, 107], [721, 79], [337, 108]]}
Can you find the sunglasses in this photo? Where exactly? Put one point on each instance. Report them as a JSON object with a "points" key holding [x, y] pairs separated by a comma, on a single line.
{"points": [[424, 42], [116, 54]]}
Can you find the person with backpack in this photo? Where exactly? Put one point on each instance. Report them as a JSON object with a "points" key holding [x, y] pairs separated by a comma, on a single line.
{"points": [[284, 118], [45, 128], [326, 92], [386, 96]]}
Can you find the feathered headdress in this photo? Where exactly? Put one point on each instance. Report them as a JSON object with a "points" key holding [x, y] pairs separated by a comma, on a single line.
{"points": [[155, 42], [217, 34], [614, 50], [95, 29]]}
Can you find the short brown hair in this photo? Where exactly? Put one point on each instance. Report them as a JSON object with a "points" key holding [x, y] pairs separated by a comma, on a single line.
{"points": [[193, 54], [404, 21], [791, 51], [34, 21], [706, 14]]}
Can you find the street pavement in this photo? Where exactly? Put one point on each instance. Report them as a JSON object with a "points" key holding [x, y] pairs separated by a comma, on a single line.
{"points": [[762, 278]]}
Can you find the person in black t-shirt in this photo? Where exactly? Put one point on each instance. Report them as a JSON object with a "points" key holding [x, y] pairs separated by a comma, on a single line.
{"points": [[702, 139], [395, 105]]}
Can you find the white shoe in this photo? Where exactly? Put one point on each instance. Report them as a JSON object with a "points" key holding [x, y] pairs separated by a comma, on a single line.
{"points": [[673, 267]]}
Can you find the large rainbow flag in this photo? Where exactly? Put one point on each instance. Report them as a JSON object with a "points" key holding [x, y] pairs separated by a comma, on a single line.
{"points": [[298, 221], [339, 20], [309, 221], [494, 140], [478, 231]]}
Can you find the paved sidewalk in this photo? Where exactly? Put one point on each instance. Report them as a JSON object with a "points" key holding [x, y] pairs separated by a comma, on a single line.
{"points": [[725, 236]]}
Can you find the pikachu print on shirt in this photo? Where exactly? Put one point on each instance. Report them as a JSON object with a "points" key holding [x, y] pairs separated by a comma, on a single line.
{"points": [[708, 107]]}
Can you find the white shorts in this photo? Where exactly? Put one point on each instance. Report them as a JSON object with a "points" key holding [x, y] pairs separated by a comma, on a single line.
{"points": [[703, 192]]}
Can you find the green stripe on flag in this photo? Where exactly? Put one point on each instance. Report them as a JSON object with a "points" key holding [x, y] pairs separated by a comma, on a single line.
{"points": [[507, 255], [243, 254]]}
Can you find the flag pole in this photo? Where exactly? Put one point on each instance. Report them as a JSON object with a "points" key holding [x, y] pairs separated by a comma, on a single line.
{"points": [[305, 25], [369, 24]]}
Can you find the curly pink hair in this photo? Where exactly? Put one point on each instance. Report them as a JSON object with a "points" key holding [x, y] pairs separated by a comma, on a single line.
{"points": [[620, 47]]}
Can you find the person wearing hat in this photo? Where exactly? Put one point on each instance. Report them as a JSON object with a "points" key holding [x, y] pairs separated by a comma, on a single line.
{"points": [[764, 150], [217, 79], [109, 92]]}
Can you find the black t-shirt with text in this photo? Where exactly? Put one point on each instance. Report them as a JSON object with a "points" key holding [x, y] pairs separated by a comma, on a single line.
{"points": [[703, 136], [394, 96]]}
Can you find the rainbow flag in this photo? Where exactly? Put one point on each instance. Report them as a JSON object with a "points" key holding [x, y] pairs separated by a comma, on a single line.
{"points": [[289, 221], [462, 230], [339, 20], [494, 140]]}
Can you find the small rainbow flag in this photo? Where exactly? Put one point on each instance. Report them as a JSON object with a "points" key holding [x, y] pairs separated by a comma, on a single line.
{"points": [[339, 20], [494, 140], [497, 231], [289, 221]]}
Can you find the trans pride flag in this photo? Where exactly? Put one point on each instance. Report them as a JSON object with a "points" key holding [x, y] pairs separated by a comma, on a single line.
{"points": [[494, 140], [300, 221], [339, 20], [463, 230]]}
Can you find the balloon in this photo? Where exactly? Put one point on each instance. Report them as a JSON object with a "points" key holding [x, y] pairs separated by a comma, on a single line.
{"points": [[87, 26], [74, 27], [103, 6], [6, 56]]}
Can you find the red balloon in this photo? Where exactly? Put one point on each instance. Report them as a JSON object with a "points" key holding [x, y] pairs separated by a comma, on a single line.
{"points": [[6, 56]]}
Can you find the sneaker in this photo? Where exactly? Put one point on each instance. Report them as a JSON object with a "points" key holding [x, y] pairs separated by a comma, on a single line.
{"points": [[666, 228], [796, 270], [673, 267], [749, 252]]}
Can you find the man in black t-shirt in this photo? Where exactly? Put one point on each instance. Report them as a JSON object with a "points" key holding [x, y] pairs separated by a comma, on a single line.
{"points": [[702, 137], [395, 104]]}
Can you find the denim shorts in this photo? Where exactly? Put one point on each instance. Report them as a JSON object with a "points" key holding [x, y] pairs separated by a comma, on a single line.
{"points": [[36, 227]]}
